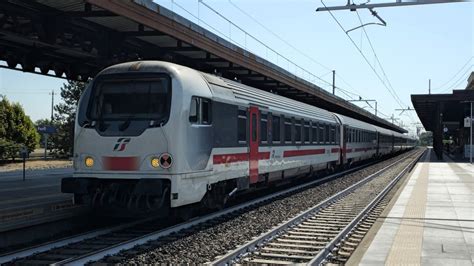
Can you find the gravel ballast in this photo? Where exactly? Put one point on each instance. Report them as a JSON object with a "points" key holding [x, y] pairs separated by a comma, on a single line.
{"points": [[209, 241]]}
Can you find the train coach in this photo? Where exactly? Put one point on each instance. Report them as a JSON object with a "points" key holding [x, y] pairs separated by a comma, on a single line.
{"points": [[156, 136]]}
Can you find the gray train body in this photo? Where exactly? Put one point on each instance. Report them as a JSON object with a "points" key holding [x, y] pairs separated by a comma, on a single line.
{"points": [[153, 135]]}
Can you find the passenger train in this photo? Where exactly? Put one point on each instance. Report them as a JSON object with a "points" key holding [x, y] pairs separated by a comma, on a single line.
{"points": [[157, 136]]}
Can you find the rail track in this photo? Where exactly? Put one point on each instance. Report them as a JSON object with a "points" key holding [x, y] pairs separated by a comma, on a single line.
{"points": [[92, 246], [327, 232]]}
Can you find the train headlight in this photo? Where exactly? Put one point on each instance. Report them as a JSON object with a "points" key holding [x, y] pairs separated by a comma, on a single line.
{"points": [[89, 161], [155, 162]]}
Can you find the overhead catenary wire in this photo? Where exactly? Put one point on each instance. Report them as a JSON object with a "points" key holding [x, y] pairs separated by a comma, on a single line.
{"points": [[365, 58], [399, 101], [378, 61], [460, 80], [345, 92], [294, 48], [455, 75], [276, 35]]}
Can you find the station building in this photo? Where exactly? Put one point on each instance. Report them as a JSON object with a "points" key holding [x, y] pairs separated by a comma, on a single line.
{"points": [[447, 116]]}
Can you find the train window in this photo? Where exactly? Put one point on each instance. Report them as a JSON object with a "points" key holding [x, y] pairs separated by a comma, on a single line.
{"points": [[297, 130], [200, 111], [306, 132], [314, 133], [254, 127], [327, 133], [338, 134], [321, 134], [242, 126], [287, 130], [332, 135], [194, 110], [263, 128], [276, 128], [206, 112]]}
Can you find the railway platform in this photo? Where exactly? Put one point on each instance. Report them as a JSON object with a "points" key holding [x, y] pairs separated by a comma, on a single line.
{"points": [[431, 222], [35, 200]]}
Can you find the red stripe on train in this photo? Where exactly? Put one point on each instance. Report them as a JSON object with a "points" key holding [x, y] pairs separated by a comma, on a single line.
{"points": [[264, 155], [120, 163], [230, 158], [303, 152]]}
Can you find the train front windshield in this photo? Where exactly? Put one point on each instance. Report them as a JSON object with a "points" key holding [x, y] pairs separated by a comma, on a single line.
{"points": [[131, 99]]}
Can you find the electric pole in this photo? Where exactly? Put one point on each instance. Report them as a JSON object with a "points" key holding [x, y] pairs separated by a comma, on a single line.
{"points": [[429, 86], [334, 82], [52, 106]]}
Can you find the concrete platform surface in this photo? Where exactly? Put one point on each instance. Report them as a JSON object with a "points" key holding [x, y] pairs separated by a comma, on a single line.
{"points": [[432, 221], [35, 200]]}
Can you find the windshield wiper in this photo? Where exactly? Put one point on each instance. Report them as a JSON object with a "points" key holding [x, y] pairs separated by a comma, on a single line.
{"points": [[126, 123]]}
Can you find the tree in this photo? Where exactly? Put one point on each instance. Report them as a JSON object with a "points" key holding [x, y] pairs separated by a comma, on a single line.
{"points": [[16, 130], [63, 141], [426, 138]]}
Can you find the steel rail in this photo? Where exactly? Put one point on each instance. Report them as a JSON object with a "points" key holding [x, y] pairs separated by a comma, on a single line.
{"points": [[327, 250], [114, 249], [234, 255], [18, 254], [78, 260]]}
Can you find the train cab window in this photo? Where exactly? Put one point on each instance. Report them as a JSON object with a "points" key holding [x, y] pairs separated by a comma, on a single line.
{"points": [[276, 128], [242, 127], [306, 130], [287, 130], [200, 111], [263, 128], [314, 133], [297, 130]]}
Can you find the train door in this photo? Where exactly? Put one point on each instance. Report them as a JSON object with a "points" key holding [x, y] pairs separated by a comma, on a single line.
{"points": [[377, 135], [344, 144], [254, 135]]}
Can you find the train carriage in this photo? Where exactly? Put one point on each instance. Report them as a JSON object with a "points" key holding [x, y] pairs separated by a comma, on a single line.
{"points": [[153, 135], [359, 142]]}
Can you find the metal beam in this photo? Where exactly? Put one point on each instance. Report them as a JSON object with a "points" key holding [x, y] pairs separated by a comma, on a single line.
{"points": [[397, 3]]}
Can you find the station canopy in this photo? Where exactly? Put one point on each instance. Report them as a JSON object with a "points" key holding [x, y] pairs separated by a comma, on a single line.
{"points": [[75, 39]]}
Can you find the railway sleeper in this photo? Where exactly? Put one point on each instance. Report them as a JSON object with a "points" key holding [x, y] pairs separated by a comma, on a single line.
{"points": [[300, 246], [309, 242], [351, 244], [320, 229], [284, 256], [314, 236], [289, 251], [266, 261], [313, 233]]}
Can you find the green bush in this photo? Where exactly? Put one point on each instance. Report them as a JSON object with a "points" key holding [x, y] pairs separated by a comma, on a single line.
{"points": [[9, 149], [16, 128]]}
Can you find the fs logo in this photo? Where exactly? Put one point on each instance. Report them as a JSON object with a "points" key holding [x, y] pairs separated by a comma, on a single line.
{"points": [[121, 144]]}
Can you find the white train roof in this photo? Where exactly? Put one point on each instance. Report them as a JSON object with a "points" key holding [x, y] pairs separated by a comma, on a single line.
{"points": [[355, 123], [231, 91]]}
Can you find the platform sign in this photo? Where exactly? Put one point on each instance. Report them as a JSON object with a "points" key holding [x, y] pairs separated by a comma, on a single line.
{"points": [[467, 122], [46, 129]]}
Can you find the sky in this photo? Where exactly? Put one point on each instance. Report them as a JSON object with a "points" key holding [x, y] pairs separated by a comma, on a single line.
{"points": [[417, 44]]}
